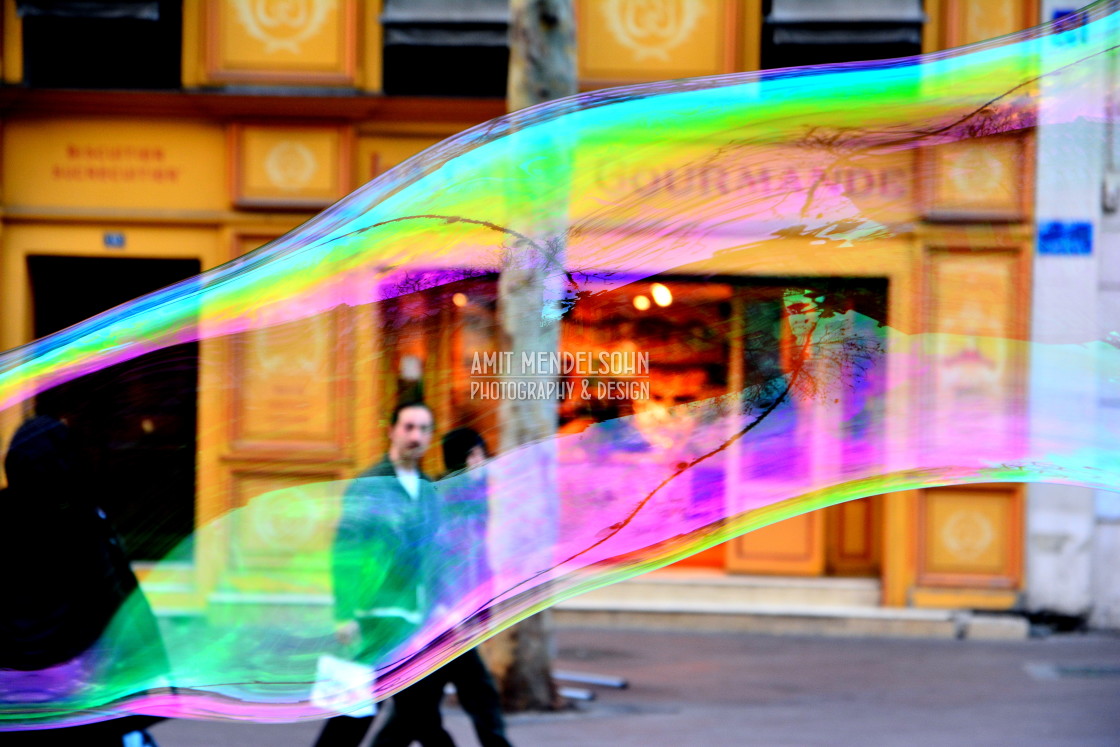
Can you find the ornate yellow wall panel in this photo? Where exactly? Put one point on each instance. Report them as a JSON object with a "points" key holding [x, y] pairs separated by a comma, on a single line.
{"points": [[961, 534], [291, 383], [976, 304], [623, 41], [281, 41], [114, 164], [275, 532], [278, 166], [970, 536], [282, 374], [982, 179], [289, 388]]}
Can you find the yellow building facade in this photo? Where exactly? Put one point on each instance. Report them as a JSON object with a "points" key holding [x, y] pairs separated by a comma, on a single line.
{"points": [[280, 109]]}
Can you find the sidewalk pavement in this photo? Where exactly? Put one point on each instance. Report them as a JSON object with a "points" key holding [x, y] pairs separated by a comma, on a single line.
{"points": [[715, 689]]}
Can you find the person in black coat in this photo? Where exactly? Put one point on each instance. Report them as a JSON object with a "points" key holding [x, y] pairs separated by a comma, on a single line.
{"points": [[74, 620]]}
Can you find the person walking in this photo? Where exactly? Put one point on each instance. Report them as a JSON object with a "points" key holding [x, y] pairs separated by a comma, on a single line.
{"points": [[74, 618], [464, 518], [381, 566]]}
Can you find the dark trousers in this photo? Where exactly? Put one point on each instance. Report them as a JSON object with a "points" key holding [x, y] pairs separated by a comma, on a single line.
{"points": [[415, 716], [343, 731], [479, 698]]}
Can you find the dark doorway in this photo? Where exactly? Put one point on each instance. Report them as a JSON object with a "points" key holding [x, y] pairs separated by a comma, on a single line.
{"points": [[134, 423]]}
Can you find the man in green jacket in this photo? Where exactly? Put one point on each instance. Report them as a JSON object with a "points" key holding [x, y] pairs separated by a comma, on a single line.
{"points": [[381, 565]]}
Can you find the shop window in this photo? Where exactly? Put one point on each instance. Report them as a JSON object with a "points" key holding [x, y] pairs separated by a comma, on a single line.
{"points": [[813, 32], [446, 47], [434, 324], [685, 326], [94, 44]]}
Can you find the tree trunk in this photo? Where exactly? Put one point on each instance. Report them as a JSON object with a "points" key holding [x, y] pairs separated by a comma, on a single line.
{"points": [[542, 67], [542, 52]]}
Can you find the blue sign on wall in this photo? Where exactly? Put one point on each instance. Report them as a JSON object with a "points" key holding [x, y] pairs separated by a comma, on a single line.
{"points": [[1058, 237], [1069, 27]]}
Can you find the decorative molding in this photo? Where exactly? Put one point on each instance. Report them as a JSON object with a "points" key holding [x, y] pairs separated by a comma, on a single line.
{"points": [[652, 33], [967, 538], [288, 173], [335, 358], [283, 57], [961, 182]]}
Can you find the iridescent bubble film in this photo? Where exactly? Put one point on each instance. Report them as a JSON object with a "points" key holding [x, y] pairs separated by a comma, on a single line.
{"points": [[698, 285]]}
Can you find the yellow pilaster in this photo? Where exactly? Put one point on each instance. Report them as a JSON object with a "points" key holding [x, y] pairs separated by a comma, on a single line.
{"points": [[193, 75], [899, 547], [750, 57], [12, 58], [369, 46]]}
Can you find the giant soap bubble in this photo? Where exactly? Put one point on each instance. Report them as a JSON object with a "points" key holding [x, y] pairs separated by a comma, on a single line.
{"points": [[703, 276]]}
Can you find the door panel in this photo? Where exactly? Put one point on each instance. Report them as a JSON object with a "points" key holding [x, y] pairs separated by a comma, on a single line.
{"points": [[852, 538], [794, 547]]}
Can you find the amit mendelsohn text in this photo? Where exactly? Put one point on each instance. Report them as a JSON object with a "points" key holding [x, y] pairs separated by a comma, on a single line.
{"points": [[619, 363]]}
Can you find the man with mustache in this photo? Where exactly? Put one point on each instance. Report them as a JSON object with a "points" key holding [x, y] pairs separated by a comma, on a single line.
{"points": [[462, 541], [381, 564]]}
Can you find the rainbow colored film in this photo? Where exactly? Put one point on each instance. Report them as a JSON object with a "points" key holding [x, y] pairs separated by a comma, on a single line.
{"points": [[675, 313]]}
